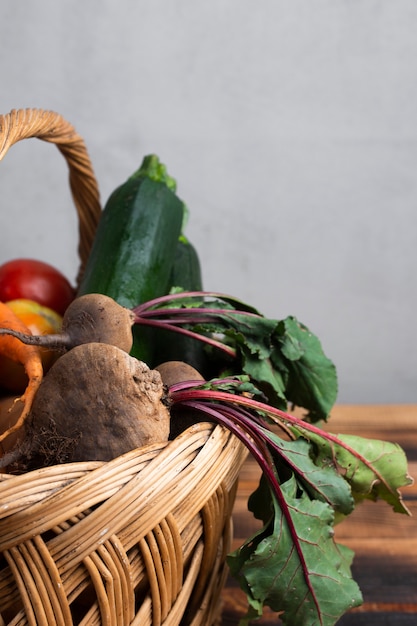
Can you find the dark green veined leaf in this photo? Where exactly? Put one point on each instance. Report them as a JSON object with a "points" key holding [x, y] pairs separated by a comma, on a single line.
{"points": [[268, 378], [269, 569], [283, 357], [312, 377], [319, 480]]}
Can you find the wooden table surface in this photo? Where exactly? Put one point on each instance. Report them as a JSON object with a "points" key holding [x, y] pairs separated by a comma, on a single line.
{"points": [[384, 542]]}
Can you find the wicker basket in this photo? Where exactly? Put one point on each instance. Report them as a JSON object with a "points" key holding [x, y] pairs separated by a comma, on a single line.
{"points": [[141, 539]]}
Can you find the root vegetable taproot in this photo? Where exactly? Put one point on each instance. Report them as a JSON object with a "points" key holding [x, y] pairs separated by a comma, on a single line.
{"points": [[9, 414], [28, 355], [95, 403], [92, 318]]}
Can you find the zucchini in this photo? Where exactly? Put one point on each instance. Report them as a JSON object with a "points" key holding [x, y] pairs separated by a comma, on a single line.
{"points": [[170, 346], [186, 269], [134, 248], [136, 240]]}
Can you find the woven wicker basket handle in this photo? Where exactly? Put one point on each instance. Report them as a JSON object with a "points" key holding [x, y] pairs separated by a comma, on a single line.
{"points": [[50, 126]]}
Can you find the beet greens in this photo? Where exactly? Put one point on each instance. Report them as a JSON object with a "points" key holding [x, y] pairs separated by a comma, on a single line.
{"points": [[283, 357], [310, 480]]}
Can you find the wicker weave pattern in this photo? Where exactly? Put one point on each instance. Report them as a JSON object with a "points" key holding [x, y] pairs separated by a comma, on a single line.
{"points": [[140, 540]]}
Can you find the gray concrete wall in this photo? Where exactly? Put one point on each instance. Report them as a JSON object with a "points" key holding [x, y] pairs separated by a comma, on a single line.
{"points": [[291, 128]]}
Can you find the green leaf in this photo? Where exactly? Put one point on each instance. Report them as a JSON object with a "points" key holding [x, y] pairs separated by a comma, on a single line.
{"points": [[319, 480], [233, 385], [287, 359], [270, 571], [374, 469], [312, 378], [283, 357], [267, 378], [383, 474], [252, 332]]}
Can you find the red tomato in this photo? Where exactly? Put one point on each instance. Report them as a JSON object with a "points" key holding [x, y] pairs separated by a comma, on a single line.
{"points": [[35, 280], [39, 320]]}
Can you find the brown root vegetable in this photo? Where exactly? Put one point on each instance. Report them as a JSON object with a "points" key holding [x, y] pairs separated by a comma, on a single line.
{"points": [[98, 318], [95, 403], [178, 372], [92, 318]]}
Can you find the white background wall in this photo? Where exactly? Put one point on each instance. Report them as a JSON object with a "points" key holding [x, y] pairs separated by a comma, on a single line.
{"points": [[291, 128]]}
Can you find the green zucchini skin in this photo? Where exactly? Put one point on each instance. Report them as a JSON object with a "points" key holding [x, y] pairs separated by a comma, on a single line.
{"points": [[171, 346], [135, 244], [140, 253], [134, 248], [186, 270]]}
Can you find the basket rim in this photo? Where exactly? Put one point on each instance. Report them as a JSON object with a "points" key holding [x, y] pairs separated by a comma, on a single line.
{"points": [[145, 482]]}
